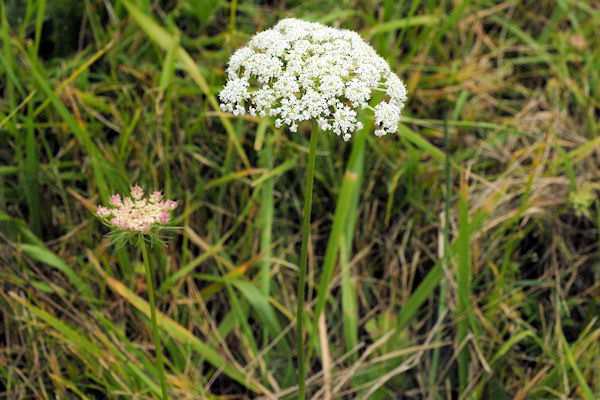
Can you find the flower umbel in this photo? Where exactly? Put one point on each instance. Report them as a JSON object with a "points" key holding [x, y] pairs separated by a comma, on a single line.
{"points": [[136, 213], [137, 219], [299, 71]]}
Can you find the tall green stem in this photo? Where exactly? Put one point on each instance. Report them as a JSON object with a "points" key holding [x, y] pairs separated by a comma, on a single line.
{"points": [[445, 257], [310, 173], [157, 348]]}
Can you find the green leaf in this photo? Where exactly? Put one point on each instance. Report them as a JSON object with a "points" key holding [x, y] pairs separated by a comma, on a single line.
{"points": [[42, 254], [260, 304]]}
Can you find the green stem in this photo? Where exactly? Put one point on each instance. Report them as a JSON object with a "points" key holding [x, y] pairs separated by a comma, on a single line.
{"points": [[157, 348], [310, 173], [433, 378]]}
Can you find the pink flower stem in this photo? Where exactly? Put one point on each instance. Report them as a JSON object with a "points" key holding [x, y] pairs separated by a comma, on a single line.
{"points": [[157, 347]]}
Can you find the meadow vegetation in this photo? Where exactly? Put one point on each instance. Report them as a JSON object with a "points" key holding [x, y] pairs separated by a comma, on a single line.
{"points": [[468, 266]]}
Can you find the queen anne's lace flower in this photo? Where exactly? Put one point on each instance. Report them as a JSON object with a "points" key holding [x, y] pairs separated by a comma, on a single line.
{"points": [[137, 214], [387, 115], [300, 70]]}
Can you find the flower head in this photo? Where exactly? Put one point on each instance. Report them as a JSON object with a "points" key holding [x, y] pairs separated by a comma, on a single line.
{"points": [[137, 214], [300, 70]]}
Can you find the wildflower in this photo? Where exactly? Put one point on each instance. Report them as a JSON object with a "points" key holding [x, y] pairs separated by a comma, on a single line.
{"points": [[300, 71], [136, 219], [137, 214]]}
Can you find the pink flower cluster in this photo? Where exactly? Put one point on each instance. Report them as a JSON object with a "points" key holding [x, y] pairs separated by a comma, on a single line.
{"points": [[136, 213]]}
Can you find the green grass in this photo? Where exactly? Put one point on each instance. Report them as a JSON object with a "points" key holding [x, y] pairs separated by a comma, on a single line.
{"points": [[468, 270]]}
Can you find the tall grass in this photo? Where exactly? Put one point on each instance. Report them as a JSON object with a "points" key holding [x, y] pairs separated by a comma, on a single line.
{"points": [[459, 270]]}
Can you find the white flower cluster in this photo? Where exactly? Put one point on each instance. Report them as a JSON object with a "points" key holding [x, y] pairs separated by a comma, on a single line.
{"points": [[300, 71]]}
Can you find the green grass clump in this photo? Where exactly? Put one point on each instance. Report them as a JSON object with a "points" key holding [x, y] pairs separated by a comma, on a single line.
{"points": [[461, 270]]}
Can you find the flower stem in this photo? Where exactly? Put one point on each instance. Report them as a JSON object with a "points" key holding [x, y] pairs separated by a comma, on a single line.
{"points": [[157, 348], [310, 173]]}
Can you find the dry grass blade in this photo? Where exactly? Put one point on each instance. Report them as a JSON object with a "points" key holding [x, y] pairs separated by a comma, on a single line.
{"points": [[180, 333]]}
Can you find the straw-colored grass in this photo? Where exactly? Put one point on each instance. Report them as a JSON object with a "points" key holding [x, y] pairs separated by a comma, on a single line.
{"points": [[457, 262]]}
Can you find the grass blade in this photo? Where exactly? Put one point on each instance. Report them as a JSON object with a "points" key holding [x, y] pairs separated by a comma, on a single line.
{"points": [[183, 335], [30, 178], [587, 392], [266, 224], [78, 129], [165, 40], [402, 24], [463, 277], [337, 230], [42, 254]]}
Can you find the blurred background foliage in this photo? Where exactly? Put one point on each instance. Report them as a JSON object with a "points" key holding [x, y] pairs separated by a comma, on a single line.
{"points": [[495, 297]]}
